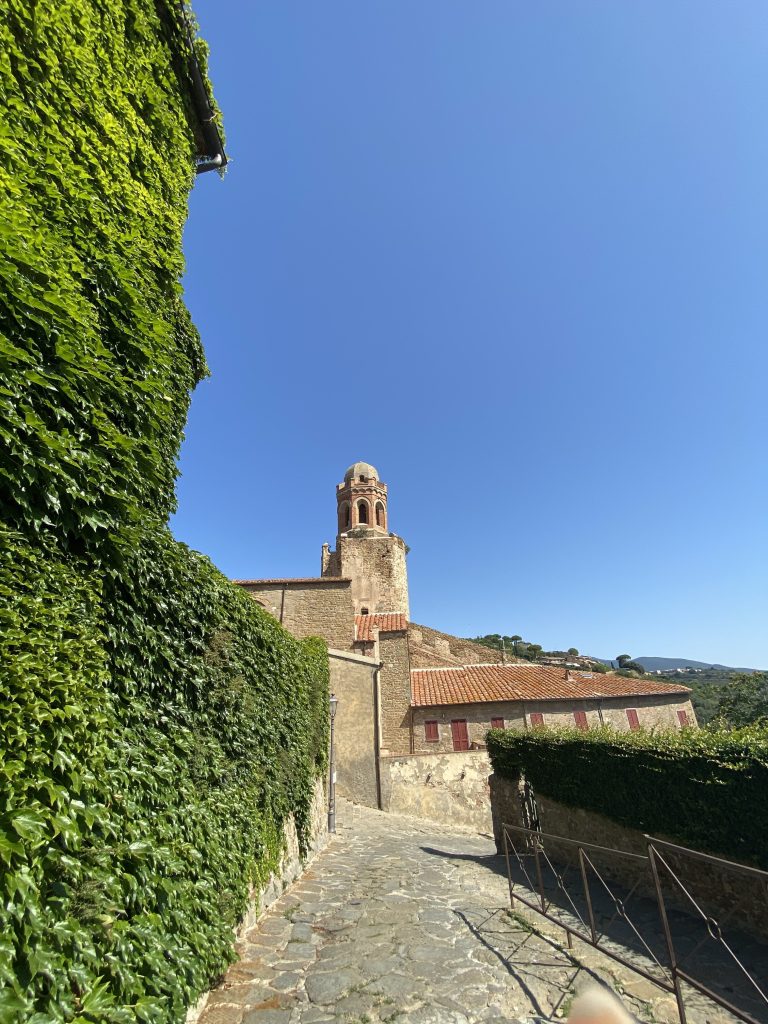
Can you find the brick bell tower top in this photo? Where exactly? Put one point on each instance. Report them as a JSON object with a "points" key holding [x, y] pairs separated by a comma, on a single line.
{"points": [[362, 499], [366, 552]]}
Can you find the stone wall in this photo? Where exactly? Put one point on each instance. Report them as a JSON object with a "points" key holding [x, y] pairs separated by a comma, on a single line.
{"points": [[395, 693], [477, 716], [356, 728], [290, 868], [449, 788], [717, 890], [659, 711], [376, 565], [311, 607], [430, 648]]}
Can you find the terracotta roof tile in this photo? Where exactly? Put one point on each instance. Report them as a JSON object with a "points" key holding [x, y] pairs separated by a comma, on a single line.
{"points": [[477, 684], [387, 622]]}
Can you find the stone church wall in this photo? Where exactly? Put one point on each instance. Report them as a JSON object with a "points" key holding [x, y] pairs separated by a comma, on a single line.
{"points": [[430, 648], [376, 565], [321, 607]]}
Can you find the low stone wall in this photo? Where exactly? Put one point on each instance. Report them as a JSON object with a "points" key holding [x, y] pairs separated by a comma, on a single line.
{"points": [[716, 889], [451, 788], [291, 867]]}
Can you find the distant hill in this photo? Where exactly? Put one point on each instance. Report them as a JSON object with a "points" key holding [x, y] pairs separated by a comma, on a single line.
{"points": [[652, 664]]}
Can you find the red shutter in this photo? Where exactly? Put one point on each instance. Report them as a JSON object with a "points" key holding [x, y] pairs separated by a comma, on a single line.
{"points": [[634, 721], [580, 717], [682, 717], [459, 734], [497, 723], [431, 735], [537, 718]]}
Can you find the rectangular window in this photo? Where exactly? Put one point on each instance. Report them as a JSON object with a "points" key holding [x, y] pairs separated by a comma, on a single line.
{"points": [[537, 718], [431, 734], [634, 721], [580, 718], [459, 734], [682, 717], [497, 723]]}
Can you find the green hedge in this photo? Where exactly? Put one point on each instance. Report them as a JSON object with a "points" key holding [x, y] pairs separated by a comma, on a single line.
{"points": [[708, 790], [157, 727]]}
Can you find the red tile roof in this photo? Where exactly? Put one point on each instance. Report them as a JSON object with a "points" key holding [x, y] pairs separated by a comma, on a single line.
{"points": [[477, 684], [387, 622]]}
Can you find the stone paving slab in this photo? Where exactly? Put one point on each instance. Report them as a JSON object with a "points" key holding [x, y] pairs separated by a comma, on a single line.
{"points": [[401, 921]]}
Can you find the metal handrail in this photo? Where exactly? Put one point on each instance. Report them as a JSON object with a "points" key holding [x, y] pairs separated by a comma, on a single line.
{"points": [[657, 866]]}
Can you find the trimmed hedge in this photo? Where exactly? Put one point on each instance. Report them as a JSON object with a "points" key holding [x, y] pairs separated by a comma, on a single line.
{"points": [[705, 789], [157, 726]]}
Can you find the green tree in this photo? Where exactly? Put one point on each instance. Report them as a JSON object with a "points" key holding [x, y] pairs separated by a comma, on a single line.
{"points": [[574, 651], [744, 700], [622, 659]]}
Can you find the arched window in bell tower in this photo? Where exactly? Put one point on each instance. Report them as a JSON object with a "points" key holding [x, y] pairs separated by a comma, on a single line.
{"points": [[362, 513], [381, 518], [344, 516]]}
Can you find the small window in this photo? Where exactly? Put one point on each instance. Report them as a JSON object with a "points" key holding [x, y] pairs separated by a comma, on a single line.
{"points": [[682, 717], [634, 721], [497, 723], [431, 732], [362, 513], [363, 611], [362, 479], [580, 718], [536, 718]]}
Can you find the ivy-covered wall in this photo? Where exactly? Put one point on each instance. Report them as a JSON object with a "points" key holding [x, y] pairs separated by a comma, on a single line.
{"points": [[156, 726]]}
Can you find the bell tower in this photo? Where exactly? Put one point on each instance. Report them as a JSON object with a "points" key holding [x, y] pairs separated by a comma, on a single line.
{"points": [[366, 552]]}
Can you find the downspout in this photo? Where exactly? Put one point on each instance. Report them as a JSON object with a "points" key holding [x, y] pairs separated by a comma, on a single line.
{"points": [[282, 602], [377, 733]]}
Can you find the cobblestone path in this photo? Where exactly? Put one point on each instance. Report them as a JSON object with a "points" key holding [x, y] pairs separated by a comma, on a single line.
{"points": [[398, 920]]}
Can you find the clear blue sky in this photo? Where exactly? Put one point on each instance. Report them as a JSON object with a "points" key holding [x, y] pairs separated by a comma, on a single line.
{"points": [[516, 256]]}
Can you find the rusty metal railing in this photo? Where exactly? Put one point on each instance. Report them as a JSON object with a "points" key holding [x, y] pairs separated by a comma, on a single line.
{"points": [[565, 881]]}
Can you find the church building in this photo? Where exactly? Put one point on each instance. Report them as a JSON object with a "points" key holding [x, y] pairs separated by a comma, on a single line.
{"points": [[408, 689]]}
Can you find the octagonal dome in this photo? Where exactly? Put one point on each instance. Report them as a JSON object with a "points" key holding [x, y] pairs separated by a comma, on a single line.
{"points": [[358, 469]]}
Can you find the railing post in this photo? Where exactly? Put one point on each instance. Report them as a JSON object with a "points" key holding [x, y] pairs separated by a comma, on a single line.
{"points": [[539, 875], [588, 896], [509, 866], [667, 932]]}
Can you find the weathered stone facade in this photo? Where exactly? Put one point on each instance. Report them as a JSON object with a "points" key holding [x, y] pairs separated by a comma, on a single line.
{"points": [[658, 712], [309, 607], [395, 693], [451, 788], [375, 563], [357, 728], [431, 647]]}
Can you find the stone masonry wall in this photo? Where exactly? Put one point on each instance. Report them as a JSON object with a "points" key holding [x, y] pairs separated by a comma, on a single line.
{"points": [[290, 868], [395, 693], [430, 647], [478, 718], [717, 890], [652, 712], [321, 607], [376, 565], [353, 681], [449, 788]]}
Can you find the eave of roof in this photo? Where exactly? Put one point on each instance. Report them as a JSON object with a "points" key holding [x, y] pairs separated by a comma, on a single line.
{"points": [[325, 580]]}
